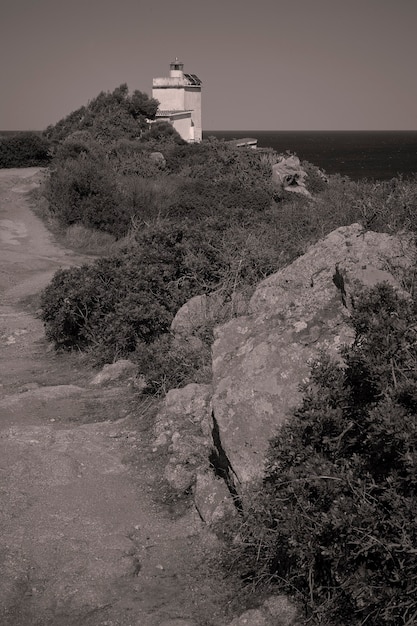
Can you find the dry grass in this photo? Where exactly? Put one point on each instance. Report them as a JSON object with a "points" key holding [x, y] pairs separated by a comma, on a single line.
{"points": [[88, 240]]}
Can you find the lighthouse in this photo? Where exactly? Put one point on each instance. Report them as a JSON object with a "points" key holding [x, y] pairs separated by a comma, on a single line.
{"points": [[179, 97]]}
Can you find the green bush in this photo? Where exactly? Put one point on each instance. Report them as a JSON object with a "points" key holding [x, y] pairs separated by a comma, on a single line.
{"points": [[24, 150], [169, 364], [219, 161], [162, 135], [131, 158], [131, 297], [334, 521], [109, 306], [316, 180], [83, 190], [108, 117]]}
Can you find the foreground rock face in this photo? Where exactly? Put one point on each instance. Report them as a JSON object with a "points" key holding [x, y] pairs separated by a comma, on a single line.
{"points": [[259, 360]]}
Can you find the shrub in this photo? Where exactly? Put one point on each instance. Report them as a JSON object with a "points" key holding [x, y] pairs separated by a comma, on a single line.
{"points": [[131, 297], [24, 150], [162, 134], [109, 116], [129, 158], [83, 190], [169, 364], [316, 180], [218, 161], [109, 306], [334, 520]]}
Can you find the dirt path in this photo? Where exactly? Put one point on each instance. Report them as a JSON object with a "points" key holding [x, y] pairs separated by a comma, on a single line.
{"points": [[82, 540]]}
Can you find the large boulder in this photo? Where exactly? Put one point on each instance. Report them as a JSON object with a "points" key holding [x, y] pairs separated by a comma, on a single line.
{"points": [[260, 360], [203, 311], [289, 175]]}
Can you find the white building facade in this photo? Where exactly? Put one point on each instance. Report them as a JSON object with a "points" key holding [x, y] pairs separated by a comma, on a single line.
{"points": [[179, 97]]}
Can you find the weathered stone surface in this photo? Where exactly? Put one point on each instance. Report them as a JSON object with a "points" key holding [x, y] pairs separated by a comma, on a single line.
{"points": [[190, 405], [361, 257], [178, 476], [289, 175], [183, 427], [212, 498], [283, 612], [115, 371], [204, 310], [259, 360], [41, 394], [275, 611], [196, 313]]}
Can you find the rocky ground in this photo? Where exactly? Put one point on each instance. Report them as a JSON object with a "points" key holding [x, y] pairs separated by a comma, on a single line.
{"points": [[85, 538]]}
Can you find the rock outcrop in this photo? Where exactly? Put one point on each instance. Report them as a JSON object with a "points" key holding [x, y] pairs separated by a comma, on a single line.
{"points": [[260, 360], [215, 437], [183, 432], [201, 312], [288, 174]]}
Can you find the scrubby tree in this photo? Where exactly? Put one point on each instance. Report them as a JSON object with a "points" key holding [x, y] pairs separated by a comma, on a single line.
{"points": [[162, 134], [109, 116]]}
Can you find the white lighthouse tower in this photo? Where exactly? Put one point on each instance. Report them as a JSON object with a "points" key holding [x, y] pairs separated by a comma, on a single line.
{"points": [[179, 97]]}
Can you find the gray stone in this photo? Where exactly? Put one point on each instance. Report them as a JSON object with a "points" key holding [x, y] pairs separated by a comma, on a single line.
{"points": [[260, 360], [196, 313], [281, 609], [187, 409], [183, 426], [179, 477], [289, 175], [122, 369], [204, 310], [212, 499]]}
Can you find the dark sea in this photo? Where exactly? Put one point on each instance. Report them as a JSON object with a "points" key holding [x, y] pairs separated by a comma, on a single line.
{"points": [[376, 155]]}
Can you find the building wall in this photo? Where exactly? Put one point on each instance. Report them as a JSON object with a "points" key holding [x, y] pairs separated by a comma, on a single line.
{"points": [[171, 98], [184, 127], [192, 101], [182, 123]]}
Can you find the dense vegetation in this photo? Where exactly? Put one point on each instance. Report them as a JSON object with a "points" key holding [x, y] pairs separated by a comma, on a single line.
{"points": [[334, 521], [109, 116], [190, 220], [24, 149]]}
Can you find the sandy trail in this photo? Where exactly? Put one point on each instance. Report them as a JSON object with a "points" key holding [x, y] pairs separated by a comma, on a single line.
{"points": [[82, 541]]}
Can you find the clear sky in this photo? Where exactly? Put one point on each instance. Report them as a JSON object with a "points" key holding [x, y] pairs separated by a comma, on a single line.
{"points": [[265, 64]]}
